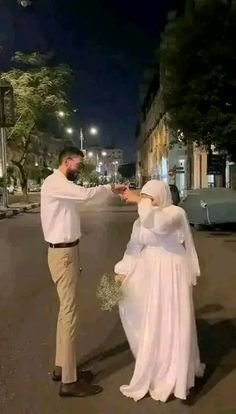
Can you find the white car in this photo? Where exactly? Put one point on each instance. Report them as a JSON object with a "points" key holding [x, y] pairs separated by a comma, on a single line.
{"points": [[10, 189], [210, 206]]}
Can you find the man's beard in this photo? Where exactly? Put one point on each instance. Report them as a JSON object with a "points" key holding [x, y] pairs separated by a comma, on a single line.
{"points": [[72, 175]]}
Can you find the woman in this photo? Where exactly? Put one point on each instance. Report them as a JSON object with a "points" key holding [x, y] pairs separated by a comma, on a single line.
{"points": [[160, 265]]}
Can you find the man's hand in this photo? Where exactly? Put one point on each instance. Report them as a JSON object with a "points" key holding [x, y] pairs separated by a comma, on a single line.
{"points": [[131, 196], [118, 188]]}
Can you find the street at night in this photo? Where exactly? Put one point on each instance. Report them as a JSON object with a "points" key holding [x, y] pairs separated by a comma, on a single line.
{"points": [[117, 145], [29, 310]]}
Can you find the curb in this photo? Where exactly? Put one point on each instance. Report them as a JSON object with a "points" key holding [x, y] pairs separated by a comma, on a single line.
{"points": [[14, 210]]}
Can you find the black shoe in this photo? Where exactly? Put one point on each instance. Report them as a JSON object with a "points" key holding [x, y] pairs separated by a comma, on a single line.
{"points": [[79, 389], [86, 375]]}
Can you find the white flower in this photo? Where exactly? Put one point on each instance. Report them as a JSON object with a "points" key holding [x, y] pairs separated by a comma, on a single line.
{"points": [[109, 291]]}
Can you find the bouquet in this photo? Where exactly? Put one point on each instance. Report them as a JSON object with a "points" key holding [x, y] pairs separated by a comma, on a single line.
{"points": [[109, 291]]}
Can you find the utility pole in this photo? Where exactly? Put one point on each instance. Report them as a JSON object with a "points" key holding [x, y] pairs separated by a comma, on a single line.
{"points": [[7, 119], [81, 139]]}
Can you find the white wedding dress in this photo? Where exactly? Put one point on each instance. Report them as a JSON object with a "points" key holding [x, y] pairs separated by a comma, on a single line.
{"points": [[157, 308]]}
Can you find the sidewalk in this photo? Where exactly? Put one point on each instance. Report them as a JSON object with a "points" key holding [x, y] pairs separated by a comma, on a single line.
{"points": [[18, 204], [17, 208]]}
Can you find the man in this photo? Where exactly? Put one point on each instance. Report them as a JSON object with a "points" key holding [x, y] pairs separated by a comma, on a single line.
{"points": [[61, 227]]}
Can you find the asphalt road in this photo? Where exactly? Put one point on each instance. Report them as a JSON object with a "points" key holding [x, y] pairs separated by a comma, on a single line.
{"points": [[28, 310]]}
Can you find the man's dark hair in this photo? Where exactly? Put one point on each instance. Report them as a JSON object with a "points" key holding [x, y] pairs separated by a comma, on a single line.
{"points": [[69, 152]]}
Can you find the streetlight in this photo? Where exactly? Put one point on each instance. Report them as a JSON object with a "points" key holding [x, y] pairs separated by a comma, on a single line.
{"points": [[104, 153], [115, 163], [61, 114], [90, 154], [24, 3], [69, 130], [81, 135], [93, 131]]}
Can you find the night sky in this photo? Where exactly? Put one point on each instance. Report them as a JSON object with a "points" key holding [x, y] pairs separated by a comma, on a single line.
{"points": [[108, 44]]}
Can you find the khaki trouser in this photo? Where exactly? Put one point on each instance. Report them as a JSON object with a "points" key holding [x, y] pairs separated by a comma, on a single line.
{"points": [[64, 267]]}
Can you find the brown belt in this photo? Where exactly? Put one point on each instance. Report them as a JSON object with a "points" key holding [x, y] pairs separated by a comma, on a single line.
{"points": [[63, 245]]}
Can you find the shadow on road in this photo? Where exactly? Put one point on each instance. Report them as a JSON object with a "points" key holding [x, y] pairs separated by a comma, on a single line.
{"points": [[218, 230], [109, 358], [216, 341], [223, 230]]}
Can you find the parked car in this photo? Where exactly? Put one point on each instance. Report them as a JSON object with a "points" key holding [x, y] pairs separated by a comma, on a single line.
{"points": [[132, 186], [10, 189], [210, 206], [17, 189], [34, 188]]}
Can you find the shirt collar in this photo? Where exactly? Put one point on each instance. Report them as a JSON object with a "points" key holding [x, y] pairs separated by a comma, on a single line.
{"points": [[59, 173]]}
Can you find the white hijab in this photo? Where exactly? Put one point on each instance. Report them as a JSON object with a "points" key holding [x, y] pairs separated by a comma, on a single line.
{"points": [[161, 195]]}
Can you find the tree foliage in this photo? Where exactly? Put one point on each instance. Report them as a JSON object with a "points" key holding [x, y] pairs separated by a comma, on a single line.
{"points": [[198, 66], [40, 92], [88, 174]]}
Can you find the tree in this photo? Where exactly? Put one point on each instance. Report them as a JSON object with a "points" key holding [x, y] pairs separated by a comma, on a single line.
{"points": [[2, 182], [40, 92], [88, 173], [198, 64]]}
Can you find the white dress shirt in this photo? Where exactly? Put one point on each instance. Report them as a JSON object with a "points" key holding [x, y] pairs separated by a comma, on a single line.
{"points": [[59, 216]]}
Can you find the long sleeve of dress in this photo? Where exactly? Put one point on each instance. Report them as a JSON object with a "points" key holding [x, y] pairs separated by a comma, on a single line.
{"points": [[164, 222], [133, 249], [159, 221]]}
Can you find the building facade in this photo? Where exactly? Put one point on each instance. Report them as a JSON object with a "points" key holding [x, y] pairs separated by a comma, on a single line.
{"points": [[107, 160], [162, 154], [158, 155]]}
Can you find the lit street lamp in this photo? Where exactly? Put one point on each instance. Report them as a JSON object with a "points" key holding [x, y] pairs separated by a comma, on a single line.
{"points": [[115, 163], [24, 3], [61, 114], [69, 130], [93, 131], [104, 153]]}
